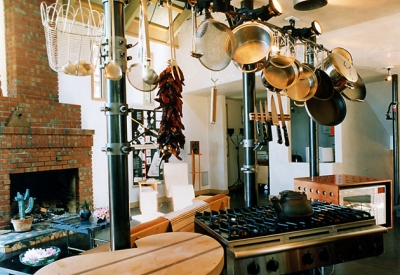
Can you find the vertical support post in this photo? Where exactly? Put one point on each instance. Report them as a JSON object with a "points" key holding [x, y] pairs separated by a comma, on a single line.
{"points": [[250, 186], [313, 149], [395, 125], [117, 147]]}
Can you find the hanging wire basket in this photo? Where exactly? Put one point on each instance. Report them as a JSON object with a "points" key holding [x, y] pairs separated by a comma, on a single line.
{"points": [[73, 37]]}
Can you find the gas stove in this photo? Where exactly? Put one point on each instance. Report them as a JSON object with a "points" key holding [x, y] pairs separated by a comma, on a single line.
{"points": [[256, 241]]}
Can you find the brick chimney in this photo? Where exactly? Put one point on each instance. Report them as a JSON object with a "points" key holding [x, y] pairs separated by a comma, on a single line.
{"points": [[37, 132]]}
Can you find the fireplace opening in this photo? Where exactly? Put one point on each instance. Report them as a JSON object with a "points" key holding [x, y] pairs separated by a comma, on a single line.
{"points": [[54, 192]]}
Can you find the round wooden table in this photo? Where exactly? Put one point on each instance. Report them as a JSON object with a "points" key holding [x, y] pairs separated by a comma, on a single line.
{"points": [[178, 253]]}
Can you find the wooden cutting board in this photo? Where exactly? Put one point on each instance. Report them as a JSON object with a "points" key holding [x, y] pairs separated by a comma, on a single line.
{"points": [[177, 253]]}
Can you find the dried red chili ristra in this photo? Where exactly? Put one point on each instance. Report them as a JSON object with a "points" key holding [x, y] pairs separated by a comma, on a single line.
{"points": [[170, 137]]}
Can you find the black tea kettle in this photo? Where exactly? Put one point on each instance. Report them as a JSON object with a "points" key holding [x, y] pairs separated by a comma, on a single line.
{"points": [[292, 205]]}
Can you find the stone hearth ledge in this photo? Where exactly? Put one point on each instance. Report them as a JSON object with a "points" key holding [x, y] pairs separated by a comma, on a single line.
{"points": [[40, 233]]}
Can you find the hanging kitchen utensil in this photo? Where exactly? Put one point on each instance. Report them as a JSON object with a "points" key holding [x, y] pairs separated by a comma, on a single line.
{"points": [[325, 87], [275, 119], [175, 70], [268, 122], [282, 115], [253, 42], [194, 53], [148, 74], [358, 93], [73, 36], [306, 87], [329, 112], [134, 72], [213, 105], [112, 69], [283, 53], [282, 77], [340, 70], [343, 53], [252, 68], [217, 43]]}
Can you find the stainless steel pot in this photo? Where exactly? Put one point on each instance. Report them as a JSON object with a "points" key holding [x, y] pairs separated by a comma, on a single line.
{"points": [[282, 77], [306, 86], [253, 42], [358, 92], [339, 70], [252, 68]]}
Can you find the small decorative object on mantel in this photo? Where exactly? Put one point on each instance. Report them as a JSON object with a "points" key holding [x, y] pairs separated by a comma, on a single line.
{"points": [[102, 214], [85, 212], [25, 206]]}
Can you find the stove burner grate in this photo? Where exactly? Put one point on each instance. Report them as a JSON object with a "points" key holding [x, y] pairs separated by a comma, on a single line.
{"points": [[241, 223]]}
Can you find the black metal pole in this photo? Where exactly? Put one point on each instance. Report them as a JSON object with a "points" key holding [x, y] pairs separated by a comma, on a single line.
{"points": [[250, 186], [395, 125], [313, 149], [117, 147]]}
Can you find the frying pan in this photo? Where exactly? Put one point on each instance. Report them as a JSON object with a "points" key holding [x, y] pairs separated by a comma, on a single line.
{"points": [[325, 88], [329, 112], [358, 93]]}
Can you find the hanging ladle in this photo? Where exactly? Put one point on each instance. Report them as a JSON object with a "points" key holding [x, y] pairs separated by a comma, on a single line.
{"points": [[112, 69], [149, 76], [194, 53]]}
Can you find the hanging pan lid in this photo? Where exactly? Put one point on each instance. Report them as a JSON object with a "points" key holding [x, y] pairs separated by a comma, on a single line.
{"points": [[343, 66]]}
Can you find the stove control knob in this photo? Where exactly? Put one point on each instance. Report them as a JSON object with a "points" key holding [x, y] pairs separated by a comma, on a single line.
{"points": [[272, 265], [324, 255], [307, 258], [253, 268]]}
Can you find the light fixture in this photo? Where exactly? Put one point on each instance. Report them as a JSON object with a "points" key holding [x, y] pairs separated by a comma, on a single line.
{"points": [[389, 75], [265, 13], [305, 5], [315, 29]]}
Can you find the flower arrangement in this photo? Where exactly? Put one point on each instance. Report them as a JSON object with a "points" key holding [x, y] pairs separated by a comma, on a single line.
{"points": [[102, 213], [40, 256]]}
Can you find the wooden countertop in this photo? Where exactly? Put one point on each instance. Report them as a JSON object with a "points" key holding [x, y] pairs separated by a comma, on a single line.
{"points": [[178, 253]]}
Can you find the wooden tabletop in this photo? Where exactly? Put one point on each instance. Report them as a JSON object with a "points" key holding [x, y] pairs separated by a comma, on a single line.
{"points": [[178, 253]]}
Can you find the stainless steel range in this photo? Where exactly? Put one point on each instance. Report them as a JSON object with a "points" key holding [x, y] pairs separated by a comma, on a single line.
{"points": [[257, 242]]}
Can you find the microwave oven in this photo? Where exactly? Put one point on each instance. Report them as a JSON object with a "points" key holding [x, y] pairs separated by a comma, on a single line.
{"points": [[371, 199]]}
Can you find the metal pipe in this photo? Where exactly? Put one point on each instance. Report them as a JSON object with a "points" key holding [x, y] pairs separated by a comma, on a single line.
{"points": [[250, 187], [395, 125], [313, 152], [313, 149], [117, 147]]}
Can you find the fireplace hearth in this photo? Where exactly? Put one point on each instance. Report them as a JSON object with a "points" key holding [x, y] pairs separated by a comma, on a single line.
{"points": [[53, 138], [54, 191]]}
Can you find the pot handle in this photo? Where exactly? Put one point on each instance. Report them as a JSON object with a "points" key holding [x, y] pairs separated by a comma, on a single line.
{"points": [[298, 104]]}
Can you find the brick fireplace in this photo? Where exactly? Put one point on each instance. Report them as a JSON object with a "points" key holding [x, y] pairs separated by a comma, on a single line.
{"points": [[49, 136]]}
